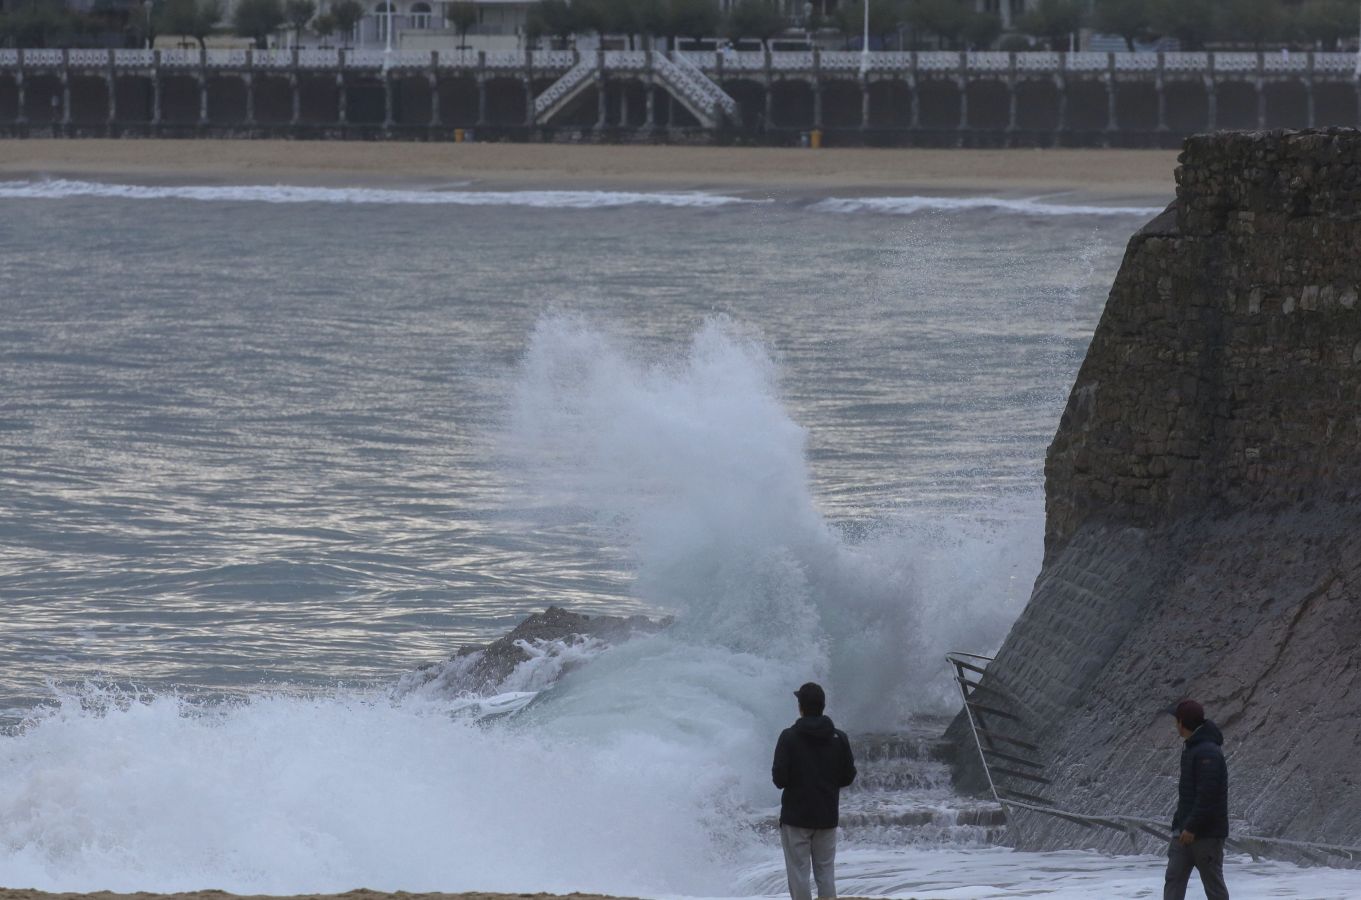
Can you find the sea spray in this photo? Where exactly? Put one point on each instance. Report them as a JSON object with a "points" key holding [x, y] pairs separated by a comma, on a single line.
{"points": [[285, 795], [693, 462], [644, 771]]}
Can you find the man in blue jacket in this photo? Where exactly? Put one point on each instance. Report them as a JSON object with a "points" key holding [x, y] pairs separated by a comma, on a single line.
{"points": [[1201, 822], [813, 762]]}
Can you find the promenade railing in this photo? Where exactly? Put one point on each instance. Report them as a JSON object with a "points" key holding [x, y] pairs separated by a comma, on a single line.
{"points": [[1006, 757]]}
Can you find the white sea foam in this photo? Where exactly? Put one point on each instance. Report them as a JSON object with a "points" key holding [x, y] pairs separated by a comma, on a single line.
{"points": [[638, 773], [1029, 206], [57, 189]]}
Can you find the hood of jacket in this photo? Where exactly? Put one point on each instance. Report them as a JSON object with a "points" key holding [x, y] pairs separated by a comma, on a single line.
{"points": [[817, 728], [1208, 732]]}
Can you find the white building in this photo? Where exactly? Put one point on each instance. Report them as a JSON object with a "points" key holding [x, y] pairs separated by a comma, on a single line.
{"points": [[420, 25]]}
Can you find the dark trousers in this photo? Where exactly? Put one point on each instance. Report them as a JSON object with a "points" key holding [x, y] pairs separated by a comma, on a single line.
{"points": [[1206, 856]]}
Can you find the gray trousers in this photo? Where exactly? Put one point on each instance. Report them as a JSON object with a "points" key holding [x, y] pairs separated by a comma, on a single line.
{"points": [[805, 845], [1206, 856]]}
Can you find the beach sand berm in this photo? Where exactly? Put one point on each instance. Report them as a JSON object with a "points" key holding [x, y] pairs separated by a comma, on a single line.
{"points": [[1109, 174]]}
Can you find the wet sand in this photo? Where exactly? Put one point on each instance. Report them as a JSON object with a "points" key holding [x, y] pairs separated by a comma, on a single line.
{"points": [[1099, 174]]}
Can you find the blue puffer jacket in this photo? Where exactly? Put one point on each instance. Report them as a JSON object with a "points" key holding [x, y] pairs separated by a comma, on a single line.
{"points": [[1203, 792]]}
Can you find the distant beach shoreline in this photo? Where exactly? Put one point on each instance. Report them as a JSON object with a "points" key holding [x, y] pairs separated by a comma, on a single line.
{"points": [[1107, 176]]}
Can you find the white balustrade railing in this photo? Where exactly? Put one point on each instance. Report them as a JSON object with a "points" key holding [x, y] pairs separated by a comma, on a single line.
{"points": [[1086, 61], [625, 59], [92, 58], [989, 61], [458, 59], [937, 61], [1332, 65], [225, 59], [684, 83], [1235, 62], [1336, 62], [1293, 62], [795, 60], [555, 59], [744, 60], [1037, 61], [318, 59], [1136, 62], [569, 82], [364, 59], [840, 60], [505, 59], [272, 59], [1186, 61], [409, 59], [717, 97], [180, 59], [698, 58], [891, 61], [43, 57]]}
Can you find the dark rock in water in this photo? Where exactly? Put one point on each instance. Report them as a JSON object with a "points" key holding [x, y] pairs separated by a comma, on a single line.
{"points": [[1203, 500], [484, 668]]}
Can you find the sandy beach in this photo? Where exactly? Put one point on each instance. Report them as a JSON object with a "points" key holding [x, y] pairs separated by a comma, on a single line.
{"points": [[1100, 174]]}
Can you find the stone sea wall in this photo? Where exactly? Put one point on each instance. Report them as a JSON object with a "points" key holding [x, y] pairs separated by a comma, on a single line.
{"points": [[1203, 491]]}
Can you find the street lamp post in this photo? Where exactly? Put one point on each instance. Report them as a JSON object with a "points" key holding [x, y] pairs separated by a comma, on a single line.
{"points": [[865, 42]]}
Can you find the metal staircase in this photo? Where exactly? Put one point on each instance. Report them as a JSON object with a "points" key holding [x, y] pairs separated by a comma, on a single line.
{"points": [[560, 93], [1015, 771], [687, 81], [694, 90]]}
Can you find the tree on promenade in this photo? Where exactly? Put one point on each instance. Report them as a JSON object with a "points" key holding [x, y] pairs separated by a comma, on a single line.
{"points": [[346, 14], [590, 15], [1131, 19], [1191, 22], [553, 17], [325, 26], [1255, 22], [885, 17], [982, 29], [1327, 21], [943, 19], [1054, 21], [258, 19], [462, 14], [299, 13], [695, 19], [192, 18], [758, 19], [36, 24]]}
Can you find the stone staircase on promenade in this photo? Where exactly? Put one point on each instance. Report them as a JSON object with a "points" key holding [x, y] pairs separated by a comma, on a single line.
{"points": [[903, 795], [686, 82]]}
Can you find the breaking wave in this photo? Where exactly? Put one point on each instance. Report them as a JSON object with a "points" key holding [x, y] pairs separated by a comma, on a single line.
{"points": [[637, 769], [57, 189], [906, 206]]}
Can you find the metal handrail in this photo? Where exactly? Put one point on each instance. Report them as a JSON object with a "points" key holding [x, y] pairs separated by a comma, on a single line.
{"points": [[1251, 844]]}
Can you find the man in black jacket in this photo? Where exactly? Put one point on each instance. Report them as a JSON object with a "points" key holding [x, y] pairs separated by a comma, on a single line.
{"points": [[813, 762], [1201, 821]]}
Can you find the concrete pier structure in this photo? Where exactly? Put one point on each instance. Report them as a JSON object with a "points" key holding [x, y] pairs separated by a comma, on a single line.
{"points": [[976, 99]]}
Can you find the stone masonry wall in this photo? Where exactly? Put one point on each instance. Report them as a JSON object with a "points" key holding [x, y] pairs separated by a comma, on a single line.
{"points": [[1204, 508]]}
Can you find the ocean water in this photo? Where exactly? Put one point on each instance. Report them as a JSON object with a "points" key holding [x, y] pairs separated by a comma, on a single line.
{"points": [[264, 450]]}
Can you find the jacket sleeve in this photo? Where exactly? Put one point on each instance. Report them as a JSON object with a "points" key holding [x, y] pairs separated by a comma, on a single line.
{"points": [[779, 769], [847, 773], [1209, 775]]}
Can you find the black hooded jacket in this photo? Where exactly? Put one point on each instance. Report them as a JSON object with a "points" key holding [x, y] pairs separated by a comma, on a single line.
{"points": [[1203, 792], [813, 762]]}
